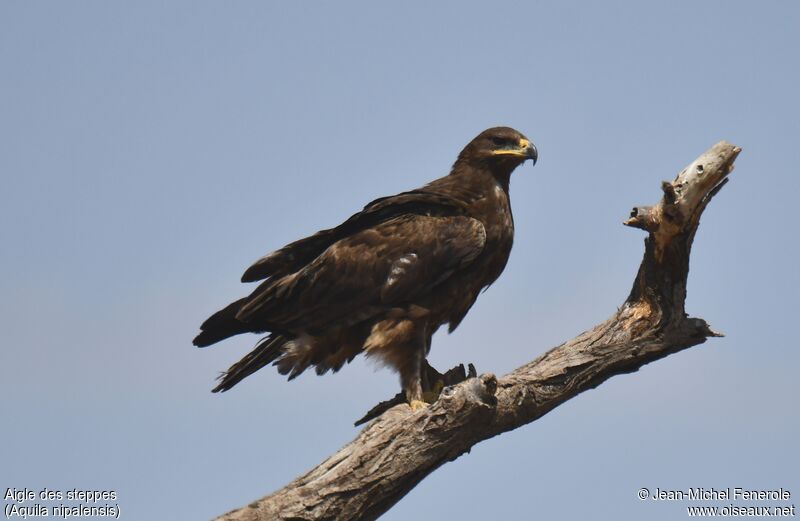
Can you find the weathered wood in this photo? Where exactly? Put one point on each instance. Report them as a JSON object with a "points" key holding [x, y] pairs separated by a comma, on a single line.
{"points": [[400, 448]]}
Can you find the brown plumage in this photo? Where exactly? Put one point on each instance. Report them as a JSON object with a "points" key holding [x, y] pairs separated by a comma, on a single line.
{"points": [[386, 279]]}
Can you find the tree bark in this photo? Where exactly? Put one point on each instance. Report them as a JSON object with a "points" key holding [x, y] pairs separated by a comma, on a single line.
{"points": [[400, 448]]}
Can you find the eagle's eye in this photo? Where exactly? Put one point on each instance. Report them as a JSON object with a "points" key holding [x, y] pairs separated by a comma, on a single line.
{"points": [[498, 141]]}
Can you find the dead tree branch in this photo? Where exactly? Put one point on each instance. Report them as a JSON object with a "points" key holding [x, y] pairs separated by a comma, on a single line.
{"points": [[400, 448]]}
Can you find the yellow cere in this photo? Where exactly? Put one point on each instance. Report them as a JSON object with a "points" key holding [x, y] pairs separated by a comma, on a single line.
{"points": [[523, 144]]}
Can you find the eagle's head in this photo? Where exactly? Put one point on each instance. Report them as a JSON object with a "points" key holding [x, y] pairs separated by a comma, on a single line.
{"points": [[499, 148]]}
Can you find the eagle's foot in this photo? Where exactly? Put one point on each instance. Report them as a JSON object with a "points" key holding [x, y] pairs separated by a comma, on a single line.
{"points": [[417, 405], [452, 377], [433, 394]]}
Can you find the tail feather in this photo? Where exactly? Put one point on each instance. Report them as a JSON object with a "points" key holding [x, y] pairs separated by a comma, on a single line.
{"points": [[221, 325], [265, 352]]}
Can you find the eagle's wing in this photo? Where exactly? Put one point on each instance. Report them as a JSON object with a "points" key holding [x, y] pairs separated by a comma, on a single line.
{"points": [[294, 256], [356, 277]]}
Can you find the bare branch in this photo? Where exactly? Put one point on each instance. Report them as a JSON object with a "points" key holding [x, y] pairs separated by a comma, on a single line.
{"points": [[400, 448]]}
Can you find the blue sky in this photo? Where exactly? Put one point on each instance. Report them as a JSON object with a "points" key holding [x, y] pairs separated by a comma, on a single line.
{"points": [[150, 151]]}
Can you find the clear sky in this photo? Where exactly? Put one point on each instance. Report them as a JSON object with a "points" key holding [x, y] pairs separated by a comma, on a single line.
{"points": [[149, 151]]}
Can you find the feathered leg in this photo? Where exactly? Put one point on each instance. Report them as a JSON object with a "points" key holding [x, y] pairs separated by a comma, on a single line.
{"points": [[402, 344], [411, 377]]}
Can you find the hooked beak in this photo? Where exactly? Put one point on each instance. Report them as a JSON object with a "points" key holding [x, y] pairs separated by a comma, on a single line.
{"points": [[530, 150]]}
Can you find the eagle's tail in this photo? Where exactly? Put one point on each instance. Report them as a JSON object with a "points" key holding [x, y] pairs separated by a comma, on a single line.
{"points": [[221, 325], [265, 352]]}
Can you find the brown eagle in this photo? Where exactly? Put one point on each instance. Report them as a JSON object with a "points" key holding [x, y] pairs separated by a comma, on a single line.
{"points": [[386, 279]]}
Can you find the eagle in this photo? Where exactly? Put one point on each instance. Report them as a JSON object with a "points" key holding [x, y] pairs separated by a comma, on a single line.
{"points": [[382, 282]]}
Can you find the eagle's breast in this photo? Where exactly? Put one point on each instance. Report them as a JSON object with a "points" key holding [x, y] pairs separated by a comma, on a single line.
{"points": [[494, 210]]}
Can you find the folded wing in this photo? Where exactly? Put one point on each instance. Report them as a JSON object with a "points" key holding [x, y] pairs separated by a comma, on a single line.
{"points": [[385, 266], [294, 256]]}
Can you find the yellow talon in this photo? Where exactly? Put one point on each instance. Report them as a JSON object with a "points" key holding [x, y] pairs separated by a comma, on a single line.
{"points": [[417, 405]]}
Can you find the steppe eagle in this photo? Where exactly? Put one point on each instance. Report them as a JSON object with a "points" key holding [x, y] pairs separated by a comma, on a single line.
{"points": [[386, 279]]}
